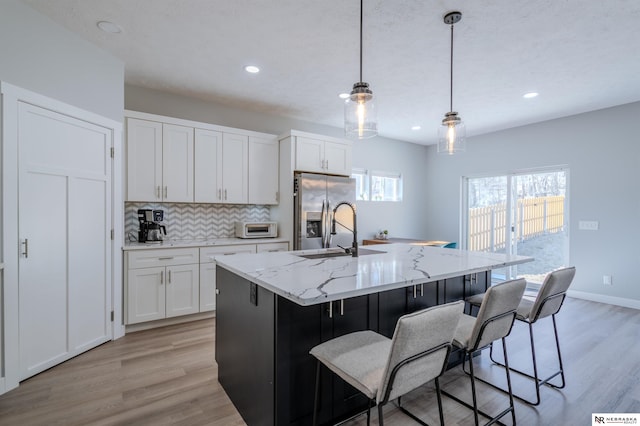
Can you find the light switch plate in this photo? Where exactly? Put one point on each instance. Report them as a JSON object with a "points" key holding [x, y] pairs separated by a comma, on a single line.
{"points": [[588, 225]]}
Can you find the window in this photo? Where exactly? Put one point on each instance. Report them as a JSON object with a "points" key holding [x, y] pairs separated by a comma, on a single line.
{"points": [[377, 185], [362, 184]]}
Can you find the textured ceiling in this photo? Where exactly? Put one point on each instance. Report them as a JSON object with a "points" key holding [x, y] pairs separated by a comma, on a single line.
{"points": [[579, 55]]}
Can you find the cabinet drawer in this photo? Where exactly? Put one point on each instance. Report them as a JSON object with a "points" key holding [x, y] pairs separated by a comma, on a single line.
{"points": [[268, 247], [208, 254], [163, 257]]}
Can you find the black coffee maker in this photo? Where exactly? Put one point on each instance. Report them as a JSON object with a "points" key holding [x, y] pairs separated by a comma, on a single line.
{"points": [[151, 231]]}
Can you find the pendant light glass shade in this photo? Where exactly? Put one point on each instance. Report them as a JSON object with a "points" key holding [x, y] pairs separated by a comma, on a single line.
{"points": [[360, 120], [360, 113], [452, 133]]}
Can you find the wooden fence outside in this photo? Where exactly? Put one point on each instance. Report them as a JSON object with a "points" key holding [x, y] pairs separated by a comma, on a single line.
{"points": [[534, 217]]}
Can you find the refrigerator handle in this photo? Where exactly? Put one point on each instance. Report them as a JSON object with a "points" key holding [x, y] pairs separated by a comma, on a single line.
{"points": [[323, 221], [329, 220]]}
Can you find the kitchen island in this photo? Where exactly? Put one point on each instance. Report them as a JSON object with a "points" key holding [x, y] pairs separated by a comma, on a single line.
{"points": [[274, 307]]}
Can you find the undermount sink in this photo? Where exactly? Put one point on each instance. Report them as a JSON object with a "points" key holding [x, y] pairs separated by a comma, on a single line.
{"points": [[361, 252]]}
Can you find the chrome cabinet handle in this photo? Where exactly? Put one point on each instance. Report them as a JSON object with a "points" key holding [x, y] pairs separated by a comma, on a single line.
{"points": [[219, 194], [161, 277], [166, 191], [225, 194], [25, 243], [158, 191], [415, 292], [330, 309], [341, 306], [165, 258], [421, 290], [169, 277]]}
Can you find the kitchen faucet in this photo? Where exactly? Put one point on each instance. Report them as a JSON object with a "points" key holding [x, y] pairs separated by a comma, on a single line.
{"points": [[354, 246]]}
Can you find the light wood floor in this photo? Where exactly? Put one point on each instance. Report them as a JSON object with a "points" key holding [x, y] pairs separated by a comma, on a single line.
{"points": [[168, 377]]}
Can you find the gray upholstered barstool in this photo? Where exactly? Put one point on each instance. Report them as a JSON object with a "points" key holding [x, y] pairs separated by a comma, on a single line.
{"points": [[384, 369], [548, 302], [494, 321]]}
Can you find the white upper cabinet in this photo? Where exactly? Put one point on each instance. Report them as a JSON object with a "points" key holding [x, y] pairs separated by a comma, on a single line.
{"points": [[263, 171], [174, 160], [235, 156], [177, 163], [159, 161], [144, 160], [208, 166], [323, 156]]}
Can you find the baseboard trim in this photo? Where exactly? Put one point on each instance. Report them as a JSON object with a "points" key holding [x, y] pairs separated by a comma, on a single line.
{"points": [[611, 300], [169, 321]]}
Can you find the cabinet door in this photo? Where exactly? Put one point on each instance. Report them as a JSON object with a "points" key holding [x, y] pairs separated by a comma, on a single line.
{"points": [[208, 166], [144, 160], [263, 171], [207, 287], [337, 158], [309, 154], [177, 163], [183, 290], [234, 168], [145, 295]]}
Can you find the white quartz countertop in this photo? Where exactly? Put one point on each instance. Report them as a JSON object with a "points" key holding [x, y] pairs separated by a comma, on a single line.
{"points": [[313, 281], [200, 243]]}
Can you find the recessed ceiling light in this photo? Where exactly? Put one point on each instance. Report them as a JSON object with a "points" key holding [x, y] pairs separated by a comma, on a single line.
{"points": [[252, 69], [416, 127], [530, 95], [109, 27], [343, 95]]}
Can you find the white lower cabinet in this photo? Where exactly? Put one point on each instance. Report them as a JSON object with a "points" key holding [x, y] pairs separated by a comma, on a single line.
{"points": [[165, 283], [208, 271], [161, 284]]}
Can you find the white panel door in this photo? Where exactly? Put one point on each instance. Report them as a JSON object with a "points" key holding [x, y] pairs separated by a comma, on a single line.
{"points": [[208, 166], [145, 294], [309, 155], [183, 290], [144, 160], [207, 287], [64, 222], [235, 154], [177, 163], [337, 158], [263, 171]]}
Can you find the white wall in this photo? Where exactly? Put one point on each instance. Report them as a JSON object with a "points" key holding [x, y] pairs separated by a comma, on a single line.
{"points": [[401, 219], [41, 56], [602, 150]]}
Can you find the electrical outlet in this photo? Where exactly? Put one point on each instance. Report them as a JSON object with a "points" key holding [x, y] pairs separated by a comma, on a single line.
{"points": [[606, 279], [588, 225]]}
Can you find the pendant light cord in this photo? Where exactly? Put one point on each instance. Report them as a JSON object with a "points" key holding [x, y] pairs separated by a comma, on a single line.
{"points": [[361, 3], [450, 75]]}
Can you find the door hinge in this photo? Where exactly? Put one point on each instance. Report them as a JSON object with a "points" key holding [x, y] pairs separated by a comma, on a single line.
{"points": [[113, 233], [112, 316], [113, 152]]}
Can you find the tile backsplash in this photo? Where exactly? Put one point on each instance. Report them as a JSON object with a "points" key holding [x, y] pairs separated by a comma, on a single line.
{"points": [[195, 221]]}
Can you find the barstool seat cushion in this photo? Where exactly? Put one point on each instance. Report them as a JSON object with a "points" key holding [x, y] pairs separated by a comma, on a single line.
{"points": [[523, 313], [476, 299], [358, 358]]}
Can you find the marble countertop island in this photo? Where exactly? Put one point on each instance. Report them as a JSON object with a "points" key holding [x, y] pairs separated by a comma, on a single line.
{"points": [[384, 267]]}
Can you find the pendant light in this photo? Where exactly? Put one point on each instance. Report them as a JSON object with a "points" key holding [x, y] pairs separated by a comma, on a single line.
{"points": [[452, 132], [359, 109]]}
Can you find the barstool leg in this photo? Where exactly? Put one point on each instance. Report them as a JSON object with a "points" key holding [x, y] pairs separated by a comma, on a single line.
{"points": [[380, 421], [315, 397], [506, 362], [439, 396], [473, 388]]}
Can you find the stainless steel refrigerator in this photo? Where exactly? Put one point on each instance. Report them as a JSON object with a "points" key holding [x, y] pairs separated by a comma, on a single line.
{"points": [[315, 197]]}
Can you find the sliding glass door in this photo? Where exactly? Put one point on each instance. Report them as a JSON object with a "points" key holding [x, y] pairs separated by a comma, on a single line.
{"points": [[519, 213]]}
